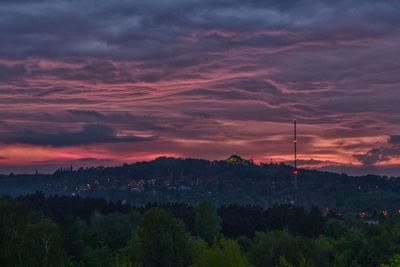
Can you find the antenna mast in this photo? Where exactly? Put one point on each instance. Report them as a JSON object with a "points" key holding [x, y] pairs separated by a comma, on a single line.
{"points": [[295, 171], [295, 144]]}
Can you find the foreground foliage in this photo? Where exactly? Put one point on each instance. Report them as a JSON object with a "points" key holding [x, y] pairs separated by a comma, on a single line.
{"points": [[75, 232]]}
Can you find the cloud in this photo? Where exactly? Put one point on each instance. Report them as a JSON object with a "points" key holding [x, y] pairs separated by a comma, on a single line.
{"points": [[205, 77], [381, 154], [394, 139], [90, 134], [155, 29], [12, 72], [315, 163], [87, 113]]}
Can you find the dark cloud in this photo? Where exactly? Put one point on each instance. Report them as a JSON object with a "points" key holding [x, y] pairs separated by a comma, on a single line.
{"points": [[389, 170], [51, 91], [90, 134], [87, 113], [141, 30], [381, 154], [394, 139], [11, 72], [314, 162]]}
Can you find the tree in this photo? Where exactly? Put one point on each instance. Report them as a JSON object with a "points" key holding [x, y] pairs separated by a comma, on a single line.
{"points": [[320, 252], [100, 255], [121, 260], [315, 223], [268, 247], [12, 224], [283, 262], [207, 222], [394, 262], [42, 245], [113, 229], [160, 240], [223, 252], [335, 228], [304, 262]]}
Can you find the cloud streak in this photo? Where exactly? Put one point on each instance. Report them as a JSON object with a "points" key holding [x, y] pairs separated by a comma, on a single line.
{"points": [[90, 134]]}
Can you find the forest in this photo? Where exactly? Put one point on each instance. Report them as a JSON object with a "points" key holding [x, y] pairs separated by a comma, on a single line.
{"points": [[40, 230]]}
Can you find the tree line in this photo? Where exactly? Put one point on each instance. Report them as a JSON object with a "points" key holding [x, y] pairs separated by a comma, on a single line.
{"points": [[72, 231]]}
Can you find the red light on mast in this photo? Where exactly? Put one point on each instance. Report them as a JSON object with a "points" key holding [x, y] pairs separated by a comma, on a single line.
{"points": [[296, 172]]}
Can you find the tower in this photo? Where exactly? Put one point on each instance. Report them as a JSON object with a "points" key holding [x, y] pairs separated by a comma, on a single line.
{"points": [[295, 171]]}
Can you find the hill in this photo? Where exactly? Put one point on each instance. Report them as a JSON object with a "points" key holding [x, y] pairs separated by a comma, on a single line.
{"points": [[232, 181]]}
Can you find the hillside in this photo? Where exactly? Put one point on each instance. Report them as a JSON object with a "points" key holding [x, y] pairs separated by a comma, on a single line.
{"points": [[233, 181]]}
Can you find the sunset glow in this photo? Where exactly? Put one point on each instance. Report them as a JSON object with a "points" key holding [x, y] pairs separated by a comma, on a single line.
{"points": [[87, 86]]}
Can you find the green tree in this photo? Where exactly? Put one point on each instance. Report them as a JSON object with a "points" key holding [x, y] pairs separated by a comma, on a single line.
{"points": [[100, 255], [121, 260], [305, 262], [361, 249], [42, 245], [207, 221], [160, 240], [113, 229], [394, 262], [223, 252], [335, 228], [12, 224], [267, 248], [283, 262]]}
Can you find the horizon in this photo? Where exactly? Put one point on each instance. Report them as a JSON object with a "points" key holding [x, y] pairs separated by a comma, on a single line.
{"points": [[109, 83], [351, 171]]}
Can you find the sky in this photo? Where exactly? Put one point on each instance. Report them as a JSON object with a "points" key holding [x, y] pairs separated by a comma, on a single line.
{"points": [[99, 82]]}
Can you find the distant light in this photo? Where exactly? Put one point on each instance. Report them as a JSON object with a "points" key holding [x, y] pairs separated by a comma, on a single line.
{"points": [[295, 172]]}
